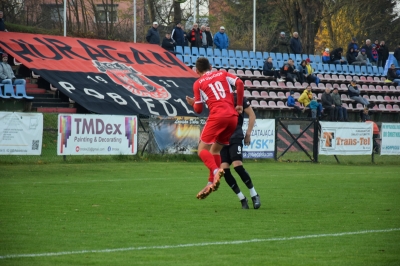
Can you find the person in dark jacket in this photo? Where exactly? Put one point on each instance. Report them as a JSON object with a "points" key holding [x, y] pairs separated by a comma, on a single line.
{"points": [[328, 104], [282, 43], [269, 70], [351, 59], [355, 94], [383, 54], [289, 71], [368, 51], [153, 37], [392, 75], [336, 56], [209, 35], [291, 102], [178, 35], [295, 44], [195, 36], [353, 44], [168, 43], [2, 26]]}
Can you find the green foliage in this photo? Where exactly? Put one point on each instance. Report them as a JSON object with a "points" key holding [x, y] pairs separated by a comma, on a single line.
{"points": [[30, 29]]}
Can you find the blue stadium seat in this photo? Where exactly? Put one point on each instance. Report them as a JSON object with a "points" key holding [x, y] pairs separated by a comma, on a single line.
{"points": [[278, 57], [260, 64], [211, 60], [317, 59], [265, 55], [224, 62], [195, 51], [238, 54], [351, 70], [363, 71], [304, 56], [8, 91], [259, 55], [278, 64], [232, 63], [187, 60], [345, 70], [252, 55], [293, 56], [254, 64], [245, 54], [202, 52], [272, 55], [224, 53], [246, 64], [285, 57], [20, 92], [187, 51], [312, 58], [210, 52], [332, 69], [381, 70], [375, 71], [357, 70], [180, 57], [179, 49], [231, 53], [239, 63], [339, 69], [325, 68], [370, 71], [217, 62], [194, 59], [298, 59], [319, 69], [217, 53]]}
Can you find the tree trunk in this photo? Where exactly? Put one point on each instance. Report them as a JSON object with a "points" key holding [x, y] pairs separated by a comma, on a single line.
{"points": [[311, 13]]}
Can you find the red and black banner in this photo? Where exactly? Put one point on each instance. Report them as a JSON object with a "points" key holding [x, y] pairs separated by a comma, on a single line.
{"points": [[107, 77]]}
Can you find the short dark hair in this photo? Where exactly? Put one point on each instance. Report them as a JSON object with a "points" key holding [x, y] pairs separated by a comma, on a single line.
{"points": [[202, 64]]}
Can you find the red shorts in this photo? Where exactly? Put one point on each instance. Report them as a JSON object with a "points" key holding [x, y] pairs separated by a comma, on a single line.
{"points": [[219, 129]]}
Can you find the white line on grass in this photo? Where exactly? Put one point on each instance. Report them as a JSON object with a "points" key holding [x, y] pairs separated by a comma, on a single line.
{"points": [[237, 242]]}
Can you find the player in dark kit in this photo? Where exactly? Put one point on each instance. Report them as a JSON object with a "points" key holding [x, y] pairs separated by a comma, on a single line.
{"points": [[232, 154]]}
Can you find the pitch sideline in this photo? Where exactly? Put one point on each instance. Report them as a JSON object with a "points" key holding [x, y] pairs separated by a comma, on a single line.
{"points": [[195, 244]]}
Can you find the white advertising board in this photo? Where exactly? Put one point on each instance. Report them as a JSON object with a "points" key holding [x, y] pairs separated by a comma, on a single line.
{"points": [[390, 144], [338, 138], [96, 134], [21, 133], [262, 142]]}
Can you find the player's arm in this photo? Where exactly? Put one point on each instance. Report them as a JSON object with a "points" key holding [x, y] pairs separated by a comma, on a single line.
{"points": [[252, 120], [240, 94], [196, 101]]}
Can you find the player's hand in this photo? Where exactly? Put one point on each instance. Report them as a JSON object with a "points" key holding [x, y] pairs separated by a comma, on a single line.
{"points": [[239, 109], [190, 100], [247, 140]]}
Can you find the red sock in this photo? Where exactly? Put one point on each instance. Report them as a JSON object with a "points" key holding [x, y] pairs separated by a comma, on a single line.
{"points": [[211, 176], [217, 159], [208, 160]]}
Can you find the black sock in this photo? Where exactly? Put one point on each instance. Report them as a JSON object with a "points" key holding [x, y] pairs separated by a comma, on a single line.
{"points": [[244, 176], [231, 181]]}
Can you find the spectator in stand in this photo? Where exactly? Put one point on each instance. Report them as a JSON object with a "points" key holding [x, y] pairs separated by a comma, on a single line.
{"points": [[353, 44], [361, 58], [305, 99], [2, 26], [195, 36], [375, 54], [392, 75], [204, 37], [295, 44], [153, 37], [396, 54], [221, 40], [178, 35], [269, 70], [355, 94], [168, 43], [328, 104], [282, 43], [314, 107], [336, 56], [185, 35], [6, 73], [340, 111], [351, 59], [383, 54], [291, 102], [326, 57], [210, 42], [301, 68], [289, 71], [376, 44], [311, 77], [368, 51]]}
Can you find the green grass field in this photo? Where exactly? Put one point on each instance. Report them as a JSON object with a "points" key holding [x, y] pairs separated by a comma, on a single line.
{"points": [[146, 213]]}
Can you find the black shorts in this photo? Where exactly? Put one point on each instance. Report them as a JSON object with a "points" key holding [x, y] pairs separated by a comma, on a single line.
{"points": [[231, 153]]}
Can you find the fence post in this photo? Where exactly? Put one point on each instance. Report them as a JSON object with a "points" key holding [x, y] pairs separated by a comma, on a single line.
{"points": [[315, 141]]}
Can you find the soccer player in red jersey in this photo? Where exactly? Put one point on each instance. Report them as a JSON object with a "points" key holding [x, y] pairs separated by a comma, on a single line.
{"points": [[215, 89]]}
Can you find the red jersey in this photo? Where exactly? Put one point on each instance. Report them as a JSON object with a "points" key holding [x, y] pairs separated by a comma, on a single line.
{"points": [[214, 89]]}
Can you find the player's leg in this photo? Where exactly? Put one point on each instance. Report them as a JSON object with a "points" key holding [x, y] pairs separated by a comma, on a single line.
{"points": [[229, 178], [244, 175]]}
